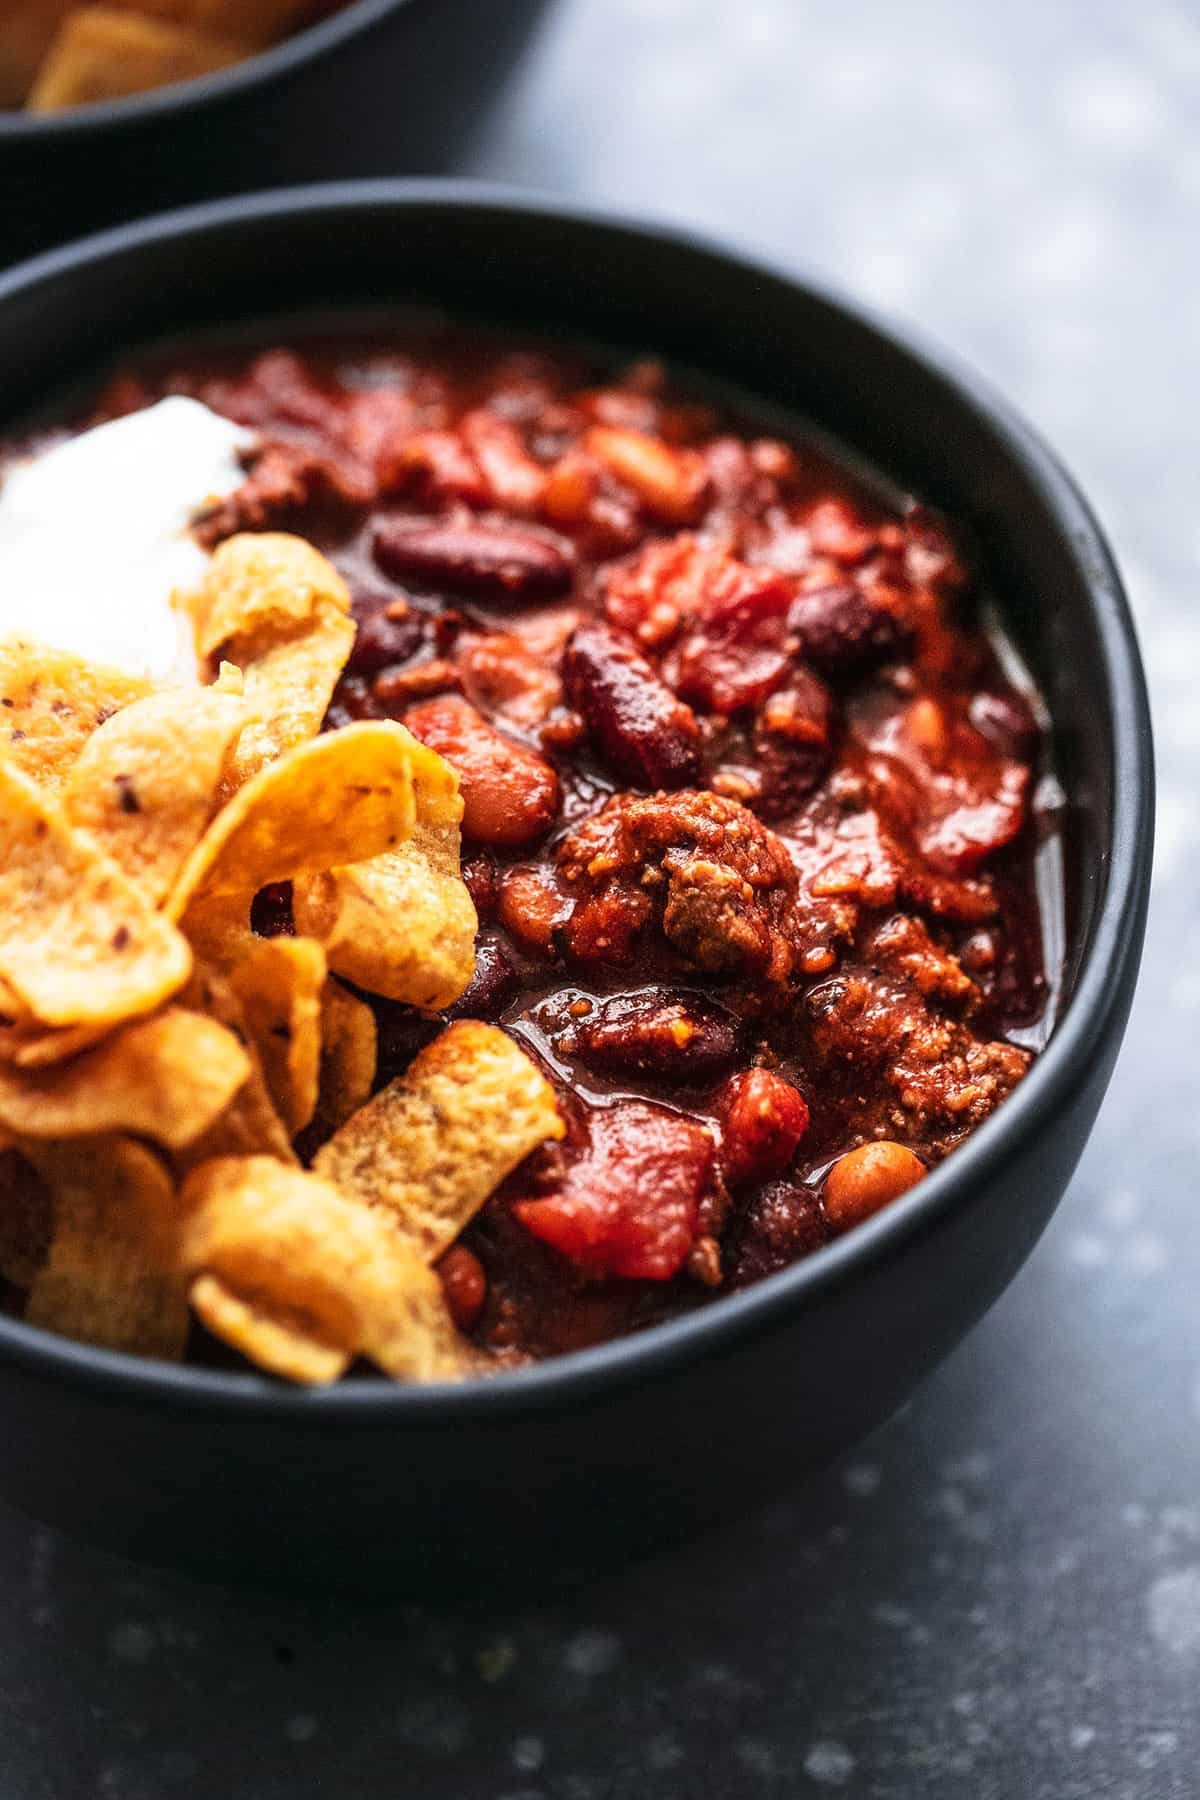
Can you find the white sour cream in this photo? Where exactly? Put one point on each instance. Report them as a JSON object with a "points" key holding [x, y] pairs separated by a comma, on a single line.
{"points": [[94, 539]]}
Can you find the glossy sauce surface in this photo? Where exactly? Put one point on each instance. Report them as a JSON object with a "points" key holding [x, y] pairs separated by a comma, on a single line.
{"points": [[752, 799]]}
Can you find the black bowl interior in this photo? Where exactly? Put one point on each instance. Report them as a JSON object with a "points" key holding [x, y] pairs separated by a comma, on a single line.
{"points": [[924, 1269]]}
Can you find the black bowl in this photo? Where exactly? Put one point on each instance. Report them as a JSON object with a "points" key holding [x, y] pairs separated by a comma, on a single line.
{"points": [[383, 86], [613, 1449]]}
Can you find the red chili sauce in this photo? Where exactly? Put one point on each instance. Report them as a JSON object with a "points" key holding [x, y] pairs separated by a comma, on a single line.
{"points": [[750, 798]]}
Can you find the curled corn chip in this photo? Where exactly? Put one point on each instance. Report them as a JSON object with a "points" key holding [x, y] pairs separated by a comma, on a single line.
{"points": [[266, 1336], [79, 944], [219, 930], [113, 1275], [279, 984], [167, 1077], [51, 702], [432, 1145], [145, 784], [263, 581], [403, 924], [26, 1219], [280, 610], [309, 1279], [100, 53], [250, 1124], [346, 795], [349, 1054], [289, 682]]}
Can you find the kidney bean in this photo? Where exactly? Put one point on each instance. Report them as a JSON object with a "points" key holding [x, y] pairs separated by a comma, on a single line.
{"points": [[510, 794], [491, 986], [671, 484], [843, 629], [659, 1034], [643, 731], [482, 880], [763, 1119], [492, 561], [793, 742], [867, 1179], [780, 1224], [464, 1284], [271, 911], [382, 641], [352, 700]]}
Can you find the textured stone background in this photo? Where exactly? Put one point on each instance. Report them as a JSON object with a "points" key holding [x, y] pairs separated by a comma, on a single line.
{"points": [[999, 1595]]}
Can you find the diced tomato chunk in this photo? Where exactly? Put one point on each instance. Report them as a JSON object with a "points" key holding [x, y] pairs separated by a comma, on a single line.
{"points": [[630, 1205]]}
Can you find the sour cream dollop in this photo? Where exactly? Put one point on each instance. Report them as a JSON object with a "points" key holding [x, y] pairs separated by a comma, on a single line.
{"points": [[94, 538]]}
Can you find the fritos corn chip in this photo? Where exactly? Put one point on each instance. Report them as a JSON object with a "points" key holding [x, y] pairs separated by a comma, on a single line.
{"points": [[219, 930], [78, 942], [289, 684], [344, 795], [114, 1274], [266, 581], [145, 784], [279, 610], [250, 1124], [167, 1077], [403, 924], [279, 984], [266, 1337], [349, 1053], [51, 702], [102, 54], [308, 1279], [432, 1145]]}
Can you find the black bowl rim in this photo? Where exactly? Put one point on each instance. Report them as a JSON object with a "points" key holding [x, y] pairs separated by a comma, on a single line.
{"points": [[1061, 1067], [254, 70]]}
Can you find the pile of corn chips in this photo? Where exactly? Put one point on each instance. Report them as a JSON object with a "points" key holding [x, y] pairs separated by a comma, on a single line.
{"points": [[58, 53], [159, 1059]]}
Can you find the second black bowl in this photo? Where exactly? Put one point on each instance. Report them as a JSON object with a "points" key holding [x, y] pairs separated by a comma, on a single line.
{"points": [[384, 85], [644, 1439]]}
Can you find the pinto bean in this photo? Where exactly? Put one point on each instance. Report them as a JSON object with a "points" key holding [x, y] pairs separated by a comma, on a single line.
{"points": [[514, 478], [494, 562], [639, 726], [464, 1284], [671, 484], [868, 1179], [510, 794], [763, 1119], [532, 908]]}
